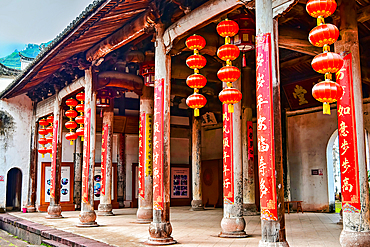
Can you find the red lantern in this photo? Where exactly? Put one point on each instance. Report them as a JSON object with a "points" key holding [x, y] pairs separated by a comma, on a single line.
{"points": [[227, 28], [195, 42], [228, 52], [43, 132], [43, 141], [80, 120], [49, 129], [228, 74], [43, 122], [321, 8], [49, 139], [71, 114], [325, 34], [71, 136], [71, 125], [196, 101], [245, 38], [80, 132], [327, 92], [103, 98], [80, 97], [230, 96], [80, 108], [328, 62], [148, 72], [196, 81], [43, 151], [50, 119], [196, 61], [71, 103]]}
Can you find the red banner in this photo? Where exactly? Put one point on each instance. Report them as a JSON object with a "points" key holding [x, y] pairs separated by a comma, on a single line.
{"points": [[104, 146], [158, 145], [265, 128], [141, 155], [86, 161], [228, 161], [54, 159], [348, 140], [250, 140]]}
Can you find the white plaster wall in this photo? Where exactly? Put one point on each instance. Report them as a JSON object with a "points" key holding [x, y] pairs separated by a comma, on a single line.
{"points": [[4, 82], [15, 148]]}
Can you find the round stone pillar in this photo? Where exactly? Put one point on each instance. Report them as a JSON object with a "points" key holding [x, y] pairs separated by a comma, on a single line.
{"points": [[196, 203]]}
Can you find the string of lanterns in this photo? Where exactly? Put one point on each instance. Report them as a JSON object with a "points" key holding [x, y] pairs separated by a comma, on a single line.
{"points": [[49, 129], [196, 80], [71, 125], [324, 35], [229, 73], [80, 119], [42, 141]]}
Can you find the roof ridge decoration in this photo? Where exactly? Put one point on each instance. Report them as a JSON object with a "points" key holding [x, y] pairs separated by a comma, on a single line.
{"points": [[7, 71], [23, 57]]}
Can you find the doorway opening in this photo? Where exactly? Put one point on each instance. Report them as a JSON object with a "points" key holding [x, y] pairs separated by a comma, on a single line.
{"points": [[13, 189]]}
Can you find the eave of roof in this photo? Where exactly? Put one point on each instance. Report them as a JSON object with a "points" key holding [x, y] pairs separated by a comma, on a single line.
{"points": [[6, 71]]}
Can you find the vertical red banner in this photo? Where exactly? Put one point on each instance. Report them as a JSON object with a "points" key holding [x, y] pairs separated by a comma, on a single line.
{"points": [[54, 159], [86, 161], [348, 152], [158, 144], [142, 141], [104, 146], [228, 161], [265, 128], [250, 140]]}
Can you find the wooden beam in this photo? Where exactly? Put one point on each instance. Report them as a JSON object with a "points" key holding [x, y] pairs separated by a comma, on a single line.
{"points": [[363, 14], [297, 40], [295, 61]]}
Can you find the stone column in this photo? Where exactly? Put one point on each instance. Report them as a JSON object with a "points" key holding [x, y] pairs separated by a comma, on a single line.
{"points": [[77, 160], [54, 208], [105, 205], [249, 198], [197, 202], [160, 229], [356, 225], [269, 127], [32, 183], [233, 223], [145, 210], [121, 171], [87, 215]]}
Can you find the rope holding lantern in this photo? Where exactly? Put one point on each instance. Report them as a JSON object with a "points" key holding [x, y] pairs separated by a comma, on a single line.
{"points": [[42, 141], [196, 80], [327, 63], [80, 108], [229, 73], [71, 125]]}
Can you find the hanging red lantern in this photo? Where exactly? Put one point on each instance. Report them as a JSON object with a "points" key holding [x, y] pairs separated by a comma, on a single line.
{"points": [[71, 114], [228, 74], [148, 72], [71, 103], [80, 120], [321, 8], [43, 122], [228, 52], [103, 98], [227, 28], [71, 125], [196, 81], [43, 141], [196, 61], [196, 101], [80, 108], [43, 151], [325, 34], [245, 38], [49, 130], [80, 132], [327, 92], [195, 42], [71, 136], [230, 96], [50, 119], [43, 132], [328, 62], [80, 97], [49, 139]]}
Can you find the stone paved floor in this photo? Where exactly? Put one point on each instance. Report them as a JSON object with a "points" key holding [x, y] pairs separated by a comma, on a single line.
{"points": [[197, 228]]}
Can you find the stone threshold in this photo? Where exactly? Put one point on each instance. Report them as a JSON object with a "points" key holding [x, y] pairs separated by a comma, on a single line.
{"points": [[35, 233]]}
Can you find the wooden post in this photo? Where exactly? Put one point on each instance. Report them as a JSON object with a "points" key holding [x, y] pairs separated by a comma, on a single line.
{"points": [[269, 127], [87, 215], [105, 205], [54, 208], [145, 210], [160, 229], [196, 203], [77, 160], [121, 171], [356, 225]]}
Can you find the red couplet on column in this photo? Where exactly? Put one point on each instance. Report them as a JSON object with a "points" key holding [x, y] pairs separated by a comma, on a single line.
{"points": [[158, 145], [250, 140], [348, 140], [54, 159], [265, 129], [142, 155], [228, 162], [85, 168], [104, 146]]}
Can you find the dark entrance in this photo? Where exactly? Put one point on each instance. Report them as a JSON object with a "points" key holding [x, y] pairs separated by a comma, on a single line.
{"points": [[14, 189]]}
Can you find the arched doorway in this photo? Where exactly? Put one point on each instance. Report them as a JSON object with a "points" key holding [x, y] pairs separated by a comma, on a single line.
{"points": [[13, 189]]}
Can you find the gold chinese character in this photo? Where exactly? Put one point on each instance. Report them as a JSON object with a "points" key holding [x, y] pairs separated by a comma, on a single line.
{"points": [[227, 183], [260, 101], [346, 185], [343, 110], [260, 60], [345, 165], [262, 166], [342, 129], [299, 93], [260, 124], [262, 145], [260, 80], [263, 187], [344, 147]]}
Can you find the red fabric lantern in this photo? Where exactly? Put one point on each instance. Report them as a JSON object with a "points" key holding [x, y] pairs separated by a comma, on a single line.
{"points": [[71, 125], [196, 61], [328, 62], [80, 132], [49, 140], [228, 52], [245, 38], [71, 103], [196, 101], [71, 136], [80, 108], [43, 122], [325, 34], [43, 141], [49, 129], [148, 72], [195, 42], [50, 119], [80, 120], [71, 114], [103, 98], [196, 81], [80, 96], [227, 28], [321, 8], [43, 132], [327, 92], [230, 96], [43, 151], [228, 74]]}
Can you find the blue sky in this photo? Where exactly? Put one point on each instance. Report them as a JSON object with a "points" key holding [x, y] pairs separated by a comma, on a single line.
{"points": [[35, 21]]}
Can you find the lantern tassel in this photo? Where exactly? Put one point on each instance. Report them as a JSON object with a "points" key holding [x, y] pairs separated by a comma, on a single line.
{"points": [[196, 112], [51, 156], [231, 108], [244, 61], [71, 142], [326, 108], [42, 155], [82, 138]]}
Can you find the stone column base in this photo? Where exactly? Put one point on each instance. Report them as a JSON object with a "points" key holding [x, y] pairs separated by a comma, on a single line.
{"points": [[160, 234], [196, 205], [277, 244], [54, 212], [31, 209], [250, 209], [358, 239], [233, 228], [144, 215], [87, 219], [105, 210]]}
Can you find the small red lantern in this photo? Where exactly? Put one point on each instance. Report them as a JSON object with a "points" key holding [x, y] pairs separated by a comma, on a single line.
{"points": [[80, 97], [196, 61], [71, 103], [148, 72], [196, 81], [228, 74], [80, 132], [71, 114], [43, 122], [327, 92], [328, 62], [325, 34], [195, 42], [103, 98], [49, 129], [71, 125], [80, 120], [43, 151], [196, 101], [43, 141], [49, 139], [43, 132], [71, 136], [227, 28], [228, 52], [80, 108], [50, 119], [230, 96], [321, 8]]}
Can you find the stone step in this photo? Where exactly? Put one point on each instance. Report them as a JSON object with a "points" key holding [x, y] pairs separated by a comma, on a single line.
{"points": [[53, 243]]}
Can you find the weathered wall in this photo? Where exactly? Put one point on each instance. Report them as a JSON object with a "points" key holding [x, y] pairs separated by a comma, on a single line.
{"points": [[15, 127]]}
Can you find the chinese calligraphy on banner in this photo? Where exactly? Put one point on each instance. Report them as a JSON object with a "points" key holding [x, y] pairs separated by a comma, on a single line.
{"points": [[348, 140], [250, 140], [158, 145], [141, 155], [265, 129], [104, 147], [228, 166], [85, 168], [54, 159]]}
